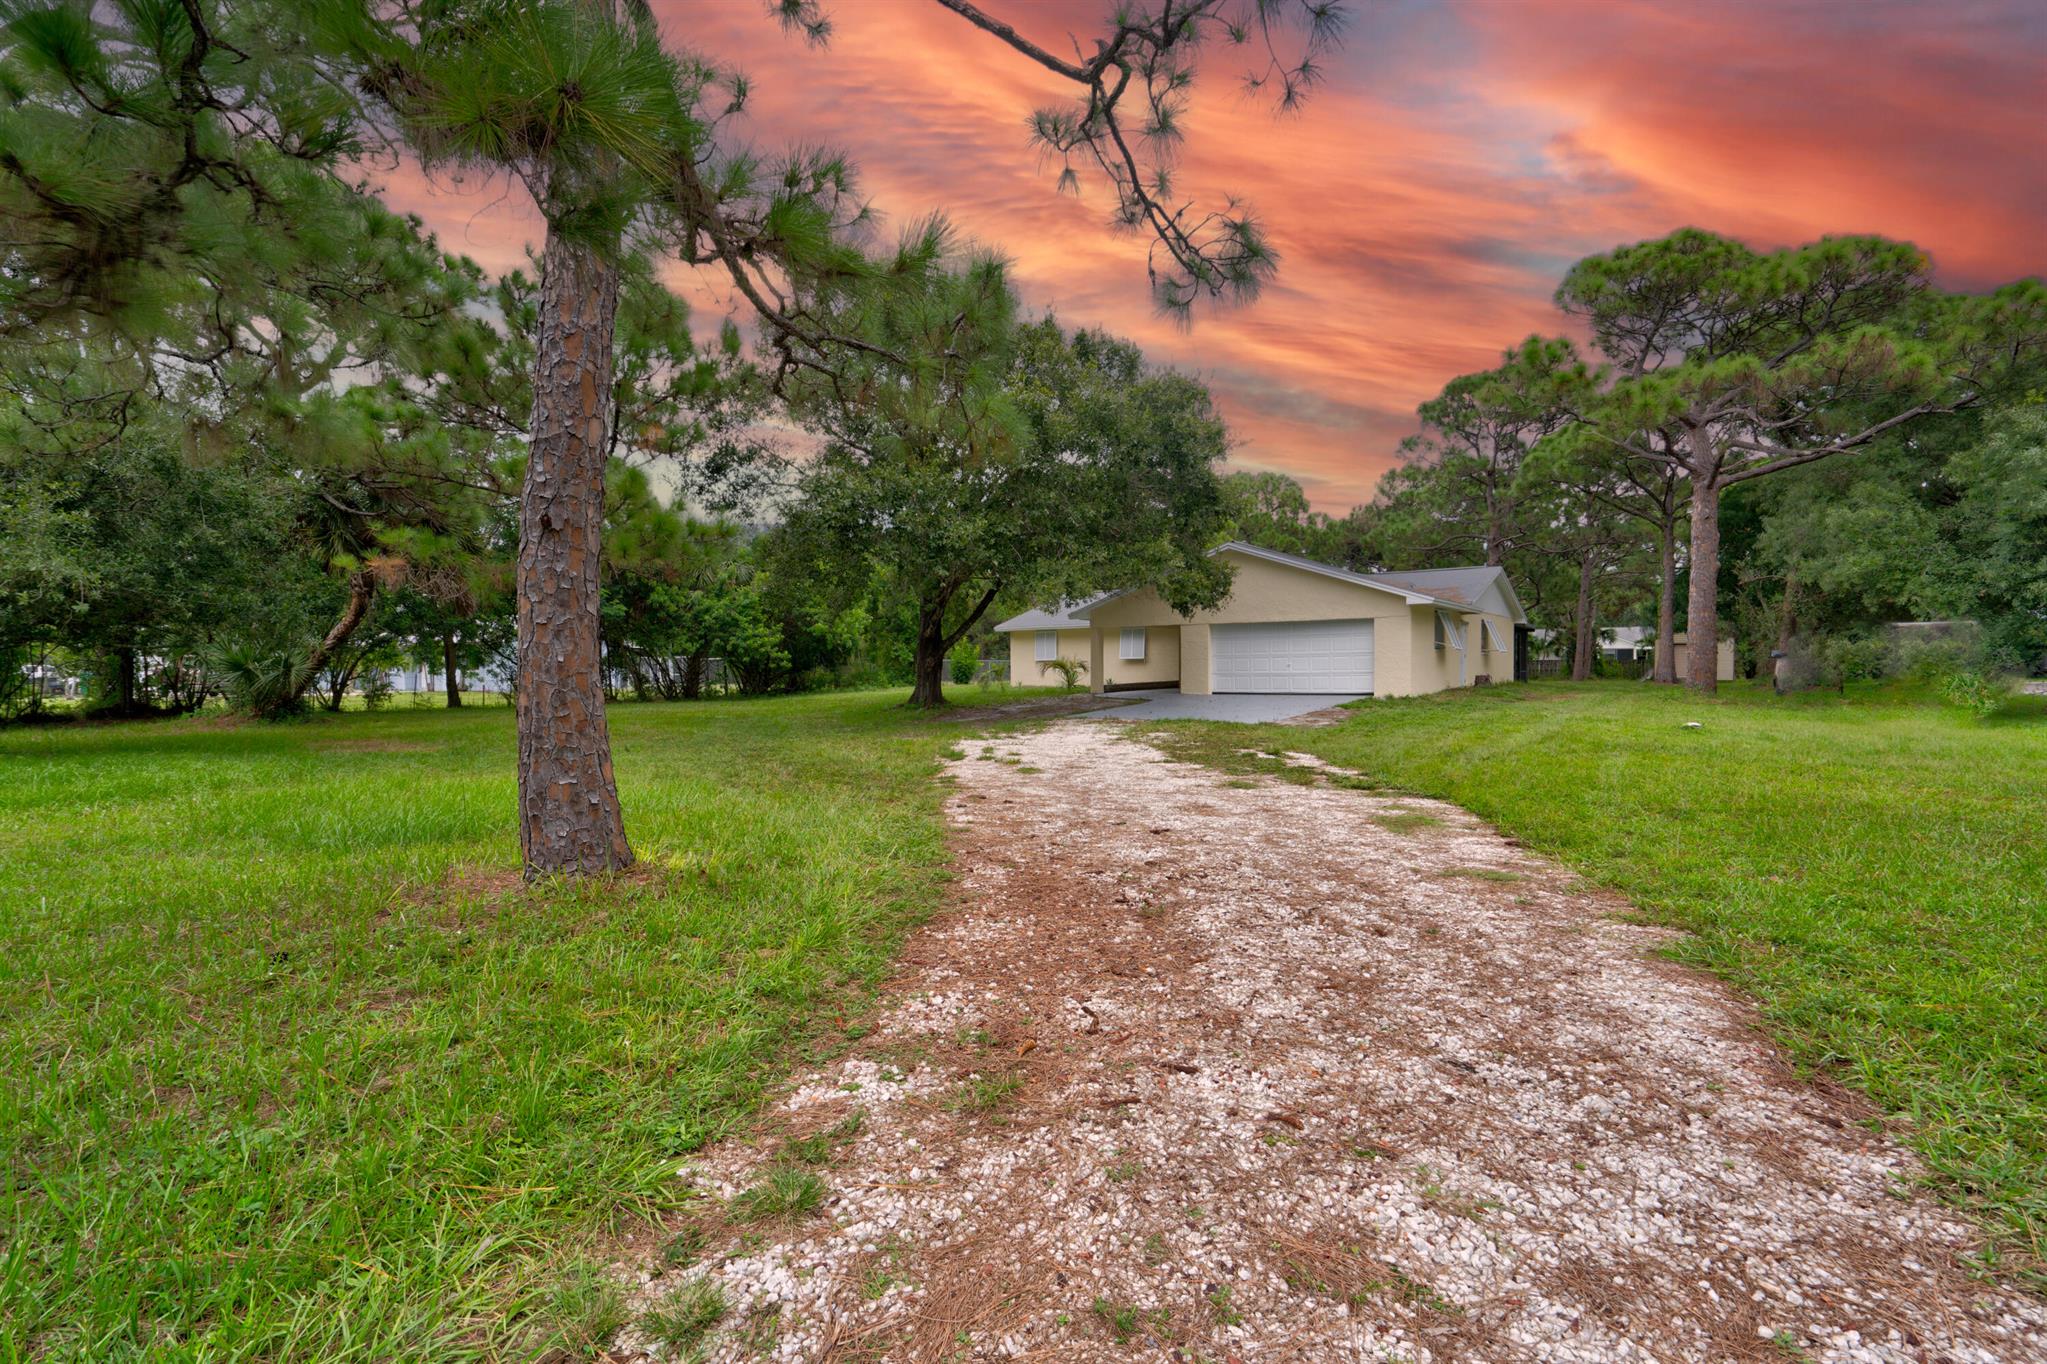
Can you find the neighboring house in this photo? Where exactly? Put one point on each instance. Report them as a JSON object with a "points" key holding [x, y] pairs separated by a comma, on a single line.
{"points": [[1288, 625], [1628, 643], [1619, 643], [415, 678]]}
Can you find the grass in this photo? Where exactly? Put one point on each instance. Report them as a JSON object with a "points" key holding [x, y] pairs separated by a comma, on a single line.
{"points": [[290, 1079], [983, 1093], [1869, 868], [687, 1315], [787, 1192]]}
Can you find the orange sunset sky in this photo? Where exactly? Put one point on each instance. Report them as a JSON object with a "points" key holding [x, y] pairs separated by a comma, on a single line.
{"points": [[1431, 193]]}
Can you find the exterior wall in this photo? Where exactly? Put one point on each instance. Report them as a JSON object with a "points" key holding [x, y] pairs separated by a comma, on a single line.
{"points": [[1433, 669], [1194, 675], [1498, 664], [1262, 591], [1723, 666], [1024, 669], [1429, 668], [1160, 666]]}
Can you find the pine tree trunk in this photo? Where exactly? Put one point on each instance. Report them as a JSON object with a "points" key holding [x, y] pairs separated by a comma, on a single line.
{"points": [[1586, 643], [1666, 606], [362, 589], [692, 676], [569, 815], [1702, 614], [126, 679], [454, 675]]}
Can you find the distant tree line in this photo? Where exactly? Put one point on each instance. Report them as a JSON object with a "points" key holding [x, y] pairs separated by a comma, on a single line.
{"points": [[1798, 447]]}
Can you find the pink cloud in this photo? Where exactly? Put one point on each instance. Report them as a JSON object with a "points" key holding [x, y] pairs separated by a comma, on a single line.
{"points": [[1430, 195]]}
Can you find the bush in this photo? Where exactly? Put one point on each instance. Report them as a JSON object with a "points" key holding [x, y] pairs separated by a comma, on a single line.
{"points": [[1070, 671], [1850, 658], [964, 661], [265, 680], [1932, 660], [1975, 689], [375, 686]]}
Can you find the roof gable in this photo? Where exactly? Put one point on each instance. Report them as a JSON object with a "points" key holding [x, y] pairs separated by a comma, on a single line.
{"points": [[1484, 587], [1481, 587]]}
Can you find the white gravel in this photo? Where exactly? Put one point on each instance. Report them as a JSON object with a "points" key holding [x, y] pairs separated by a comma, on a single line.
{"points": [[1242, 1073]]}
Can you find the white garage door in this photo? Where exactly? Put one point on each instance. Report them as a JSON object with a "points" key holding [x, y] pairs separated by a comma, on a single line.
{"points": [[1298, 656]]}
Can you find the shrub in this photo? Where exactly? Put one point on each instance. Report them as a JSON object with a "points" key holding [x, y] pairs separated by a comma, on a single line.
{"points": [[1851, 658], [964, 661], [265, 680], [1070, 671], [1976, 689], [1931, 660], [375, 686]]}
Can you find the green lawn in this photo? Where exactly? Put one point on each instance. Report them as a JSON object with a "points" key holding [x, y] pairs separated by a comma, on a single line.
{"points": [[1873, 870], [277, 1090]]}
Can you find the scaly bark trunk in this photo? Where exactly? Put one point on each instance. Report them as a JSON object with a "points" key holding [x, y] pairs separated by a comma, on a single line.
{"points": [[454, 674], [362, 589], [1666, 606], [1586, 642], [1702, 614], [126, 679], [569, 815], [692, 676]]}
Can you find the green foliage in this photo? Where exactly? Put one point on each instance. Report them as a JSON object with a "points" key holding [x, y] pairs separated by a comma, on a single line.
{"points": [[1979, 692], [999, 459], [264, 680], [157, 160], [963, 660], [1854, 658], [1069, 670], [128, 551]]}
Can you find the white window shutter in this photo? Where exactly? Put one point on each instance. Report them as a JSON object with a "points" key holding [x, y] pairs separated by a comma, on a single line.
{"points": [[1448, 634], [1048, 645], [1133, 643]]}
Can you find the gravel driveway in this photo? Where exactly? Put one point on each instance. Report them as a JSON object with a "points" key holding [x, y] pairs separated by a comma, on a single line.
{"points": [[1221, 1069]]}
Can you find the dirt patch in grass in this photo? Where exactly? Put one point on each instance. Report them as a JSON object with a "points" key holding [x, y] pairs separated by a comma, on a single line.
{"points": [[1032, 708], [1208, 1071]]}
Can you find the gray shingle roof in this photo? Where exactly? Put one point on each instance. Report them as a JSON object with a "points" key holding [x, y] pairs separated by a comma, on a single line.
{"points": [[1057, 618], [1452, 587]]}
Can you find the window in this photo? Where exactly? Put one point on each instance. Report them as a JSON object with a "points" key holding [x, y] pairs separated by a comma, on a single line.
{"points": [[1133, 643], [1048, 645], [1448, 636], [1494, 642]]}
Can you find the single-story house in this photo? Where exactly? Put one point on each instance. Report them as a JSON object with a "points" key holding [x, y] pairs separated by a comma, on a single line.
{"points": [[1289, 625]]}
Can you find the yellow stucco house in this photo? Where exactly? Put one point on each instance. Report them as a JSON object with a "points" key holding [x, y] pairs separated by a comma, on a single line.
{"points": [[1289, 625]]}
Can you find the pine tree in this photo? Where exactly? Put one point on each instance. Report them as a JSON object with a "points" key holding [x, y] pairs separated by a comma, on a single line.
{"points": [[1733, 364]]}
